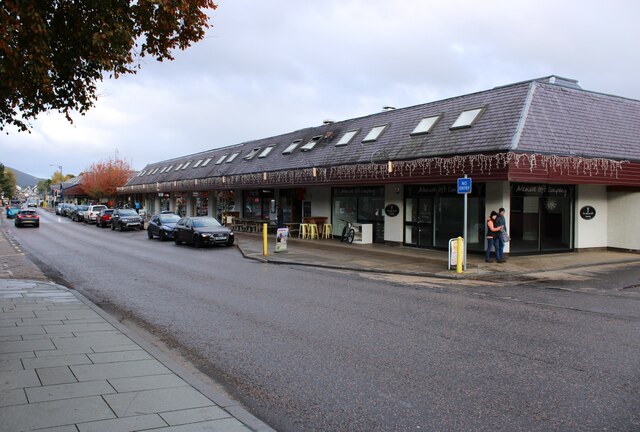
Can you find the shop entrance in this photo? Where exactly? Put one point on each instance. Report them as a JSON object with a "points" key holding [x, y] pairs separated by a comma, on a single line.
{"points": [[541, 218]]}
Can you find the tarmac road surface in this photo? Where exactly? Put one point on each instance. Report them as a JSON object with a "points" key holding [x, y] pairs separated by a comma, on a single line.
{"points": [[315, 349]]}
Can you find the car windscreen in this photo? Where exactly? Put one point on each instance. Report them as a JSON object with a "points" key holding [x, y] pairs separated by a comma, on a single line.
{"points": [[209, 222], [128, 213], [28, 213], [82, 207], [169, 218], [107, 212], [97, 208]]}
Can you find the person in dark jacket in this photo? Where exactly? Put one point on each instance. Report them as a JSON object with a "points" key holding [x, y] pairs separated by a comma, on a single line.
{"points": [[493, 231], [501, 222]]}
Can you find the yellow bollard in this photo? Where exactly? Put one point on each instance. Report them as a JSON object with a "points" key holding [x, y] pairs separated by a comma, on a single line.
{"points": [[459, 262], [264, 239]]}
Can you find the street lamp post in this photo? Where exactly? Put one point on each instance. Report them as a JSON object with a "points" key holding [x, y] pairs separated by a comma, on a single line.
{"points": [[61, 180]]}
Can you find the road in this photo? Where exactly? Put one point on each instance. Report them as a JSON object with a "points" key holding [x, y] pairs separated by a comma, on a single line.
{"points": [[312, 349]]}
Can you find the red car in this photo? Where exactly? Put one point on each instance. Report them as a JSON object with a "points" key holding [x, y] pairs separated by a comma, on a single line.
{"points": [[104, 218]]}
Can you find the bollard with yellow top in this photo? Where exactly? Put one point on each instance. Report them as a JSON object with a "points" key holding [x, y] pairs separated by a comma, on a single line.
{"points": [[264, 239], [459, 256]]}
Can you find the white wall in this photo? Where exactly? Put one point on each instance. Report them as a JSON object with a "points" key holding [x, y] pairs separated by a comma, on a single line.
{"points": [[623, 229], [591, 233], [393, 226]]}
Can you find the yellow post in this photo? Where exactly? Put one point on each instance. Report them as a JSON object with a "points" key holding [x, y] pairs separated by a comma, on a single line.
{"points": [[459, 262], [264, 239]]}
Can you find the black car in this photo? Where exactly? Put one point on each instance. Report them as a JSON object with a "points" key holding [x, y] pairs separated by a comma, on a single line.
{"points": [[27, 217], [161, 225], [77, 213], [66, 209], [200, 231], [123, 219]]}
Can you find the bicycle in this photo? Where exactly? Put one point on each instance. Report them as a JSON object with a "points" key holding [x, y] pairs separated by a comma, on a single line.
{"points": [[348, 232]]}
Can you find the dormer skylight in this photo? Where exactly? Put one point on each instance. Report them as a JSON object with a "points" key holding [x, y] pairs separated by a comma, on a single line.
{"points": [[312, 143], [221, 159], [232, 157], [426, 125], [206, 162], [291, 147], [179, 166], [169, 169], [374, 133], [346, 138], [265, 152], [155, 170], [197, 164], [186, 165], [142, 173], [252, 153], [164, 168], [467, 118]]}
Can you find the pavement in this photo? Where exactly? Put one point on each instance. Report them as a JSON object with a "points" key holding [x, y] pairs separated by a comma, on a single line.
{"points": [[401, 260], [67, 365]]}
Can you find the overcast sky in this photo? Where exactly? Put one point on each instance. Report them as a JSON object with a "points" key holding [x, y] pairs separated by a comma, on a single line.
{"points": [[270, 67]]}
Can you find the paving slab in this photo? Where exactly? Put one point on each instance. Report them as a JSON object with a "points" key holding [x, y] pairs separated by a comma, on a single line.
{"points": [[74, 368]]}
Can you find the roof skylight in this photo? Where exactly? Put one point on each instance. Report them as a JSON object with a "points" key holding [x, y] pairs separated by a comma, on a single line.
{"points": [[206, 162], [266, 151], [252, 153], [346, 138], [221, 159], [155, 170], [291, 147], [197, 164], [374, 133], [426, 125], [467, 118], [141, 173], [312, 143], [232, 157], [179, 166], [169, 169], [164, 168], [186, 165]]}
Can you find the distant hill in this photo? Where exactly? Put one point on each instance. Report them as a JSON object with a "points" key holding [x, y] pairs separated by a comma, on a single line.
{"points": [[24, 179]]}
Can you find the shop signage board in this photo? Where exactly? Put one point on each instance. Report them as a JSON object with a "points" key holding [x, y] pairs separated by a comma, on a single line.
{"points": [[392, 210], [587, 212], [281, 239]]}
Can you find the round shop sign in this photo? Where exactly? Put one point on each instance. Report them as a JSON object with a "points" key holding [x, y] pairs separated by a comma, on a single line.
{"points": [[392, 210], [587, 212]]}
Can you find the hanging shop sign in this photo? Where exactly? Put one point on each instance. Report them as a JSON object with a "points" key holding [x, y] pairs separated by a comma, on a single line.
{"points": [[392, 210], [587, 212]]}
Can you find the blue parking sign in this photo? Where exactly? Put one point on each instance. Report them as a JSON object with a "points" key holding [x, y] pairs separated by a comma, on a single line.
{"points": [[464, 185]]}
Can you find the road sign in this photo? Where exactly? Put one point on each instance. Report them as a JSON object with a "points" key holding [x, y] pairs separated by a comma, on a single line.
{"points": [[464, 185]]}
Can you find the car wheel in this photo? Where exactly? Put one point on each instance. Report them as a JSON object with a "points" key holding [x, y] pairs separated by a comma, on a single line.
{"points": [[38, 225], [162, 236], [197, 242], [230, 242], [149, 235], [176, 241], [113, 227]]}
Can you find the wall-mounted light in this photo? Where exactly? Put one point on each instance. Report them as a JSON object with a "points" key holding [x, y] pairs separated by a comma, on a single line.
{"points": [[195, 182], [390, 167], [264, 176], [314, 171], [223, 179]]}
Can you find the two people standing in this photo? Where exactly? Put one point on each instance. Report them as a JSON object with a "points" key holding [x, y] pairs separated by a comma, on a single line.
{"points": [[496, 227]]}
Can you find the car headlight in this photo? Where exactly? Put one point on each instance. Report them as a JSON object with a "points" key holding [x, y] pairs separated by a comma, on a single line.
{"points": [[166, 228]]}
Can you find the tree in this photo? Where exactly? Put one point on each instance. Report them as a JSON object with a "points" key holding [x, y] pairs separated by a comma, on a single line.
{"points": [[57, 177], [53, 52], [103, 178], [7, 181]]}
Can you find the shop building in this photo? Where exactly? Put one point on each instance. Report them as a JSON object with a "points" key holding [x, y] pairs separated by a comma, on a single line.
{"points": [[563, 161]]}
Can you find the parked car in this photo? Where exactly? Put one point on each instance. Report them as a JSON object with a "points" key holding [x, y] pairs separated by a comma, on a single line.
{"points": [[201, 231], [12, 211], [126, 219], [27, 217], [161, 225], [66, 208], [92, 212], [59, 208], [76, 214], [104, 218]]}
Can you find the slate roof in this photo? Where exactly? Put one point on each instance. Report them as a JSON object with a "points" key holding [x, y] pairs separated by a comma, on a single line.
{"points": [[549, 115]]}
